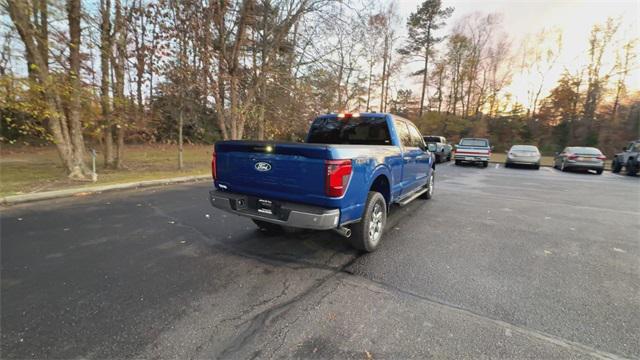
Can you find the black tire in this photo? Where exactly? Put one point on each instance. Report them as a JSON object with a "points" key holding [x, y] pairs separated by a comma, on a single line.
{"points": [[536, 166], [615, 166], [430, 186], [485, 164], [506, 164], [458, 162], [599, 171], [438, 159], [363, 234], [632, 167], [268, 227]]}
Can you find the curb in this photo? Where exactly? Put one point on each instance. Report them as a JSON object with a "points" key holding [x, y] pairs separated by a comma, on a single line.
{"points": [[55, 194]]}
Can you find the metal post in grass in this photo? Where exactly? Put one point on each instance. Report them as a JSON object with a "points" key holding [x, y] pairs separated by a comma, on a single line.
{"points": [[94, 174]]}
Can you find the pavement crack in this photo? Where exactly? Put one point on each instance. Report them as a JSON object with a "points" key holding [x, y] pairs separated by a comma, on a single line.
{"points": [[262, 319], [531, 333]]}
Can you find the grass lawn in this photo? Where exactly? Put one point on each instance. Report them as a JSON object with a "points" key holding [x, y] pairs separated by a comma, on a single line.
{"points": [[28, 169]]}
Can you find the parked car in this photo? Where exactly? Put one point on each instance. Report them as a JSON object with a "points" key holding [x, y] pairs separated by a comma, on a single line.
{"points": [[344, 178], [578, 157], [628, 158], [523, 155], [473, 150], [443, 149]]}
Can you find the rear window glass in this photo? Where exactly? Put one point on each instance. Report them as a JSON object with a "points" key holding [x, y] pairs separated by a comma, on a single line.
{"points": [[361, 131], [585, 151], [432, 139], [474, 142], [524, 148]]}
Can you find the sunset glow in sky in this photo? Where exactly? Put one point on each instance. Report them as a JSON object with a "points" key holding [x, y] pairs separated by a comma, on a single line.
{"points": [[574, 18]]}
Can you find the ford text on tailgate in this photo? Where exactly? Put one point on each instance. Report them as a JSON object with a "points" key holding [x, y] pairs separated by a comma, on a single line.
{"points": [[346, 175]]}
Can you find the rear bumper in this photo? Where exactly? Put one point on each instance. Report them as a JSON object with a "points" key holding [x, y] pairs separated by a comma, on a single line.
{"points": [[524, 160], [471, 158], [287, 214]]}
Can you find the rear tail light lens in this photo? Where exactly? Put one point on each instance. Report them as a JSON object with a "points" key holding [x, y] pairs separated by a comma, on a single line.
{"points": [[601, 157], [213, 166], [572, 156], [337, 178]]}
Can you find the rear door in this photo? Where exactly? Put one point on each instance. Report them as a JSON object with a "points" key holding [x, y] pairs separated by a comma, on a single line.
{"points": [[422, 158], [408, 158]]}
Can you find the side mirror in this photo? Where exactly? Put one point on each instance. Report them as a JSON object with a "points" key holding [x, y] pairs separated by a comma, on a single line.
{"points": [[432, 147]]}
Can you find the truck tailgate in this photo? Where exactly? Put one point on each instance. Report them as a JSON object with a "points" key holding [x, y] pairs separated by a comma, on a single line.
{"points": [[472, 151], [284, 171]]}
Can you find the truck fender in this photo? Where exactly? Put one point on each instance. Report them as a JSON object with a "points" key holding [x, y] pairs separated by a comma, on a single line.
{"points": [[381, 181]]}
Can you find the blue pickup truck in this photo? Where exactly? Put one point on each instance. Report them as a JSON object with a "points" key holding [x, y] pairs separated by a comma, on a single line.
{"points": [[346, 175]]}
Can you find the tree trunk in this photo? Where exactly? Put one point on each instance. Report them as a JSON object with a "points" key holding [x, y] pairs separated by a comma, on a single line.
{"points": [[79, 170], [369, 86], [118, 62], [180, 149], [384, 71], [105, 101], [424, 78]]}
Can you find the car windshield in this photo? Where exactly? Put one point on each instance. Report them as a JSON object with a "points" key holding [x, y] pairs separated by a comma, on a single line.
{"points": [[524, 148], [360, 130], [585, 151], [432, 139], [474, 142]]}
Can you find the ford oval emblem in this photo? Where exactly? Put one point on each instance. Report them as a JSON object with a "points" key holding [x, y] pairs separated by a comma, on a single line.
{"points": [[262, 166]]}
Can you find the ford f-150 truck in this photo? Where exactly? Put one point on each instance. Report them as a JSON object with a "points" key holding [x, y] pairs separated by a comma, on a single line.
{"points": [[473, 150], [344, 178]]}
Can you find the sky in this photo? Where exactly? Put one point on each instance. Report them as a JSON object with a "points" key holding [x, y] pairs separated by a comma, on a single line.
{"points": [[574, 18]]}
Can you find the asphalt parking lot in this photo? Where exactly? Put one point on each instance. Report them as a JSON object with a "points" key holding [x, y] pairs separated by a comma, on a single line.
{"points": [[501, 263]]}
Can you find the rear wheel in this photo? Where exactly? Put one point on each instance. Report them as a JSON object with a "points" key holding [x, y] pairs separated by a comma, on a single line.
{"points": [[632, 167], [485, 164], [507, 165], [616, 166], [599, 171], [367, 233], [536, 166], [268, 227], [563, 167], [458, 162]]}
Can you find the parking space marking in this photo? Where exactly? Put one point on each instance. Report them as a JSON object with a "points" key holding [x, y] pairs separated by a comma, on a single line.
{"points": [[497, 166]]}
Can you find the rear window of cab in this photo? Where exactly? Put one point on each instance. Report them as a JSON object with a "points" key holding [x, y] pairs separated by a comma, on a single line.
{"points": [[355, 130]]}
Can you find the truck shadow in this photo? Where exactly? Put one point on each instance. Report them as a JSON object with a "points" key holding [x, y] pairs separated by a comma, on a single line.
{"points": [[297, 247]]}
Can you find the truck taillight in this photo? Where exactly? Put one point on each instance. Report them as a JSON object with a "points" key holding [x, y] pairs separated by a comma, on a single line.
{"points": [[213, 166], [572, 156], [337, 178]]}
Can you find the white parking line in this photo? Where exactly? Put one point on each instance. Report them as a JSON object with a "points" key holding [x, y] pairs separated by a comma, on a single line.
{"points": [[497, 166]]}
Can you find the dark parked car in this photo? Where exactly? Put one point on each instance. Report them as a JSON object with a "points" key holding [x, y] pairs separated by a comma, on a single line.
{"points": [[443, 148], [579, 157], [628, 159]]}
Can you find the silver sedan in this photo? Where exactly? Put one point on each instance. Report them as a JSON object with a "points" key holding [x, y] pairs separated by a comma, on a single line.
{"points": [[528, 155], [579, 157]]}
